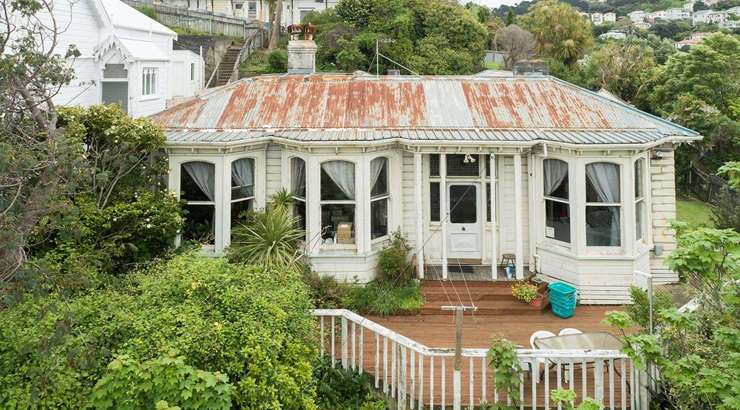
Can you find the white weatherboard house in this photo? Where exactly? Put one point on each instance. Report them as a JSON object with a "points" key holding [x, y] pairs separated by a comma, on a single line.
{"points": [[126, 58], [575, 186]]}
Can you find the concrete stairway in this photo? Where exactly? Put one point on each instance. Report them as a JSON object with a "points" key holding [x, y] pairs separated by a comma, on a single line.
{"points": [[491, 298], [226, 66]]}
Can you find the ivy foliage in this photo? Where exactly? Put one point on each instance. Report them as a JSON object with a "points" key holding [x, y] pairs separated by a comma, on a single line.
{"points": [[248, 323], [505, 364], [696, 352], [427, 36]]}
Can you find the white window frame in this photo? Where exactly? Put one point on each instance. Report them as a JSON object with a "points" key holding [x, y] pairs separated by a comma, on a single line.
{"points": [[252, 197], [619, 205], [384, 197], [641, 199], [149, 81], [352, 202], [305, 191], [200, 203], [568, 202]]}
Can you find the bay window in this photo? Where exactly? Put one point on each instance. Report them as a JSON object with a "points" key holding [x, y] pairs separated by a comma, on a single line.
{"points": [[197, 190], [379, 198], [298, 189], [338, 202], [639, 198], [557, 200], [242, 188], [603, 204]]}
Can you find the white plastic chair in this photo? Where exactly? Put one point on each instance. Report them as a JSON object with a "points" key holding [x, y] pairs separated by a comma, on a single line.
{"points": [[569, 331], [563, 332], [540, 334]]}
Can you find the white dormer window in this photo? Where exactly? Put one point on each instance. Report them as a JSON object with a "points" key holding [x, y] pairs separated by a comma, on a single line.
{"points": [[149, 79]]}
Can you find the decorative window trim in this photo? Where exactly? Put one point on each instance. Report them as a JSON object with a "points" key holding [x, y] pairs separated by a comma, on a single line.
{"points": [[382, 197], [149, 81], [640, 200]]}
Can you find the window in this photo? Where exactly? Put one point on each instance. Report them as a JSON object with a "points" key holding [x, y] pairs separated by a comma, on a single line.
{"points": [[192, 71], [639, 198], [379, 198], [557, 199], [464, 210], [197, 182], [242, 189], [252, 9], [149, 81], [338, 202], [298, 189], [462, 165], [434, 201], [603, 203]]}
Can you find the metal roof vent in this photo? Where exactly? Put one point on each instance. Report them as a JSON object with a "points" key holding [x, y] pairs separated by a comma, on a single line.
{"points": [[526, 67]]}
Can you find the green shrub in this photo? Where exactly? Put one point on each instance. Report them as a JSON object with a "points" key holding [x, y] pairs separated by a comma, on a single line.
{"points": [[148, 11], [277, 61], [165, 381], [250, 323], [341, 389], [267, 238], [393, 264], [639, 310], [524, 291], [326, 292], [378, 298], [566, 398]]}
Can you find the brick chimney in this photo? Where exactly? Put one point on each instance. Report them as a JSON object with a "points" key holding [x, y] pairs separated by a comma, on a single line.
{"points": [[301, 52]]}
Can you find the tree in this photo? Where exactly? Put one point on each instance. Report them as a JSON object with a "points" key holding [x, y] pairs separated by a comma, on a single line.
{"points": [[516, 42], [561, 32], [276, 21], [509, 18], [620, 67], [37, 159]]}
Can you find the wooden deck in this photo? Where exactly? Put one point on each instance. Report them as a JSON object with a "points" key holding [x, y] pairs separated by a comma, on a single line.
{"points": [[498, 315]]}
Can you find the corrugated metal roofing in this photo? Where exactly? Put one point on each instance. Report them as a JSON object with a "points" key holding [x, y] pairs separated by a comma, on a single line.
{"points": [[336, 108]]}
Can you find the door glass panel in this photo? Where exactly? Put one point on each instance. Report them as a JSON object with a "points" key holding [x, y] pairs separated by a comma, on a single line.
{"points": [[463, 206]]}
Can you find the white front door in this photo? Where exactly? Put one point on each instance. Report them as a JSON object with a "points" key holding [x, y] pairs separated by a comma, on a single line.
{"points": [[463, 226]]}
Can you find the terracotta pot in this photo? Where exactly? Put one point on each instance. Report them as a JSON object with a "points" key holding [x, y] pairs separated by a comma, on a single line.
{"points": [[539, 302]]}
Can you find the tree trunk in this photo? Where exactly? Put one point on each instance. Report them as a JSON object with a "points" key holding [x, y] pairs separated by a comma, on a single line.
{"points": [[276, 25]]}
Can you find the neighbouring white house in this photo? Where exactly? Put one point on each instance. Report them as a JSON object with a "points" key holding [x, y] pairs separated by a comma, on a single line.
{"points": [[613, 35], [294, 11], [637, 16], [691, 41], [126, 58], [610, 17], [709, 17], [643, 25], [677, 13], [525, 170]]}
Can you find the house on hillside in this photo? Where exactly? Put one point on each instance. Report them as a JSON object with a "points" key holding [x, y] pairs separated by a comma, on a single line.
{"points": [[126, 58], [294, 11], [477, 171]]}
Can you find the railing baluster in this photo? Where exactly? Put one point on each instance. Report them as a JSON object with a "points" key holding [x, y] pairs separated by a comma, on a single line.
{"points": [[611, 384], [353, 366], [345, 343], [571, 375], [402, 378], [376, 369], [521, 391], [471, 382], [333, 340], [413, 379], [599, 380], [385, 364], [362, 348], [584, 374], [546, 366], [321, 337], [534, 383], [421, 381], [431, 383], [444, 381], [495, 390], [483, 379], [623, 384], [558, 378], [394, 369]]}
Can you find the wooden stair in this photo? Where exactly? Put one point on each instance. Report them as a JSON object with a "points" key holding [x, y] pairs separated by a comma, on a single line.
{"points": [[226, 65], [491, 298]]}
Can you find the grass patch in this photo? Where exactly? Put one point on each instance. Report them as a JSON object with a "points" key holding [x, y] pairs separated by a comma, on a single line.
{"points": [[694, 212], [383, 299]]}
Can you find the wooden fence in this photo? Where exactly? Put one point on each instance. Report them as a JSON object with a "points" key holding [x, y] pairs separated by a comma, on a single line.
{"points": [[418, 377], [706, 186], [199, 21]]}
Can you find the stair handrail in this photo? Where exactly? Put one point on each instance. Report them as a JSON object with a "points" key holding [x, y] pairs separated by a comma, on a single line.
{"points": [[246, 46], [215, 70]]}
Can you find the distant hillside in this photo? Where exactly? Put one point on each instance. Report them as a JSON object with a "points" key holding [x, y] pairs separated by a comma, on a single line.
{"points": [[621, 7]]}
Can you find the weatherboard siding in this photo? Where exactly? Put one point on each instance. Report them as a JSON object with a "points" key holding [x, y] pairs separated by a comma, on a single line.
{"points": [[663, 204]]}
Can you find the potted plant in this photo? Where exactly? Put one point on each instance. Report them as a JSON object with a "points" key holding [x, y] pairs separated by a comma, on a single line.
{"points": [[529, 293]]}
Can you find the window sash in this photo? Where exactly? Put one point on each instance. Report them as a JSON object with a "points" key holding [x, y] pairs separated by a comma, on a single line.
{"points": [[246, 198], [557, 199]]}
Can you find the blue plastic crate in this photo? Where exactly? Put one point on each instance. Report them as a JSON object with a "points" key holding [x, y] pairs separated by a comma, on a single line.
{"points": [[563, 299]]}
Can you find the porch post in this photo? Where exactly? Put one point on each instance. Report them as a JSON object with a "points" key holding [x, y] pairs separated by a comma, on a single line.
{"points": [[419, 217], [494, 221], [444, 212], [518, 231]]}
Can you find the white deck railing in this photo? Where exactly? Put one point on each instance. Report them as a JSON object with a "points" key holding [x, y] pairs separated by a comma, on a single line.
{"points": [[417, 376]]}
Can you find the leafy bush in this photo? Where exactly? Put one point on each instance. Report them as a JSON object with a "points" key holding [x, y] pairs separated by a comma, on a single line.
{"points": [[267, 238], [326, 292], [378, 298], [639, 310], [250, 323], [503, 360], [524, 291], [342, 389], [566, 398], [393, 264], [164, 381], [277, 61]]}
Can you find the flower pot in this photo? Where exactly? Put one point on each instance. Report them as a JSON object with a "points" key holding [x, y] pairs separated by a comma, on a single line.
{"points": [[540, 302]]}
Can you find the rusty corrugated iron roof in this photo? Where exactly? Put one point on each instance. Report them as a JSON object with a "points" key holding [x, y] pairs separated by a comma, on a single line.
{"points": [[337, 107]]}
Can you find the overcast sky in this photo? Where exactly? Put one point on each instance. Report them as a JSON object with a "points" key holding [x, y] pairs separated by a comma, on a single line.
{"points": [[494, 3]]}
